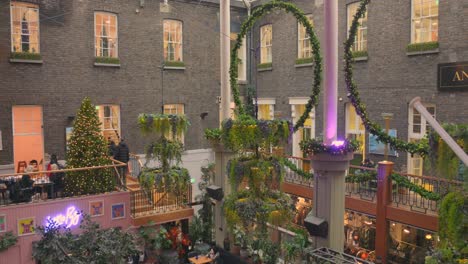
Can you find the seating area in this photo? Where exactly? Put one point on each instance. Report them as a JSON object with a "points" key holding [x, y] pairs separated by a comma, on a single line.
{"points": [[27, 188]]}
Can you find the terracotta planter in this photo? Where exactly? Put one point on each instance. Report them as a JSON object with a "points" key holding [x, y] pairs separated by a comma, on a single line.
{"points": [[235, 250], [244, 253]]}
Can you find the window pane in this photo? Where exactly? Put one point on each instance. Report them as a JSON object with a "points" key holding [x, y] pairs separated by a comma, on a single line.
{"points": [[425, 21], [24, 27], [172, 40], [360, 42], [265, 43], [106, 35]]}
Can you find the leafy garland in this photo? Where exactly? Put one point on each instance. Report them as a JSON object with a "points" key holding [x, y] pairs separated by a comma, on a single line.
{"points": [[404, 182], [303, 20], [293, 167], [361, 177], [353, 95], [7, 240], [315, 146]]}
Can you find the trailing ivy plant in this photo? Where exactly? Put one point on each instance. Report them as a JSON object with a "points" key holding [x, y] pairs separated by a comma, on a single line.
{"points": [[297, 170], [166, 149], [441, 160], [353, 95], [402, 181], [258, 13], [247, 133], [7, 240], [453, 230]]}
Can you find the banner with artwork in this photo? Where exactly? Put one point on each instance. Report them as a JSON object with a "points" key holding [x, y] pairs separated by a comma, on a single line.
{"points": [[377, 147]]}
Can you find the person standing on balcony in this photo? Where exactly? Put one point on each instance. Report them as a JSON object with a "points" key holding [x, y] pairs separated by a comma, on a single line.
{"points": [[112, 147], [122, 154]]}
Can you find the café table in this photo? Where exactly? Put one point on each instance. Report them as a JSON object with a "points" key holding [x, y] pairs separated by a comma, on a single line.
{"points": [[43, 184], [200, 260]]}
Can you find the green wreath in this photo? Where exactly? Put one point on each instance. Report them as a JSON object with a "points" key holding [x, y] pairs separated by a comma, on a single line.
{"points": [[353, 95], [317, 58]]}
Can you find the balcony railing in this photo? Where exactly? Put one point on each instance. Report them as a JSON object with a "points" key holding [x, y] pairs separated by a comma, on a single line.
{"points": [[404, 198], [40, 186], [366, 187], [293, 177], [134, 165], [153, 201], [365, 190]]}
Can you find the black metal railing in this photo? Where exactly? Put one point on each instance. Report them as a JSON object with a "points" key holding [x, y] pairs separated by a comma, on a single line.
{"points": [[365, 190], [405, 198]]}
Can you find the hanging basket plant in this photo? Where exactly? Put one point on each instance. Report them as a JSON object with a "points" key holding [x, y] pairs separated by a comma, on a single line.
{"points": [[162, 124], [247, 133]]}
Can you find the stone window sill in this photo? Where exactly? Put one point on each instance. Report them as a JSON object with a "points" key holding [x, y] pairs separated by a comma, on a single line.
{"points": [[174, 68], [302, 65], [361, 58], [26, 61], [242, 82], [265, 69], [97, 64], [416, 53]]}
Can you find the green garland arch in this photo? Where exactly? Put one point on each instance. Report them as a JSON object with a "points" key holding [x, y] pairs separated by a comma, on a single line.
{"points": [[397, 144], [317, 58]]}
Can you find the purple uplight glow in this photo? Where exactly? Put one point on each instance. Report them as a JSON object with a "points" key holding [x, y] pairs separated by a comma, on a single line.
{"points": [[338, 143]]}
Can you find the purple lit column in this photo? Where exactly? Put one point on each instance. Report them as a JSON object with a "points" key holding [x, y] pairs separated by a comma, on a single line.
{"points": [[331, 72]]}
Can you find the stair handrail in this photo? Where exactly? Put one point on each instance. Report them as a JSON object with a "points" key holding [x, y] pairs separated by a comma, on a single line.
{"points": [[416, 103]]}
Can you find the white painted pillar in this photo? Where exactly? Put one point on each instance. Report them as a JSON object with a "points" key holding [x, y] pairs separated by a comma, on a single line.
{"points": [[330, 106], [225, 58], [329, 199]]}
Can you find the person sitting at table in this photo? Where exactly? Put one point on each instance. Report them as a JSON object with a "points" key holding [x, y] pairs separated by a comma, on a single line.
{"points": [[213, 254], [34, 164]]}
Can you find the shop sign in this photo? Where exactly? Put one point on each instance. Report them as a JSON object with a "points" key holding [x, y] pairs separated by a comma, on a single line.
{"points": [[69, 219], [453, 76]]}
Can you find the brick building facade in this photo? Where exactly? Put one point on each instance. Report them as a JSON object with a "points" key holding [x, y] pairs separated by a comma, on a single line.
{"points": [[388, 78], [67, 72]]}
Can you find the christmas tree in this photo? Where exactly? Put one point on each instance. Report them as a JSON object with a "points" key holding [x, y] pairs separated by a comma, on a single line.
{"points": [[88, 148]]}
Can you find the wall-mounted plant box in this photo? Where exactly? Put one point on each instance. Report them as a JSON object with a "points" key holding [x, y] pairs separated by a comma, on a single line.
{"points": [[422, 48], [106, 61], [304, 61], [265, 66], [27, 57], [175, 65]]}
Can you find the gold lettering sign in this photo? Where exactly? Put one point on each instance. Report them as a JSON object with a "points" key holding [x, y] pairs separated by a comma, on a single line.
{"points": [[460, 76]]}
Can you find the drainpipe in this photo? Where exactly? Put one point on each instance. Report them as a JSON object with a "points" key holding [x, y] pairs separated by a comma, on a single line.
{"points": [[416, 103]]}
